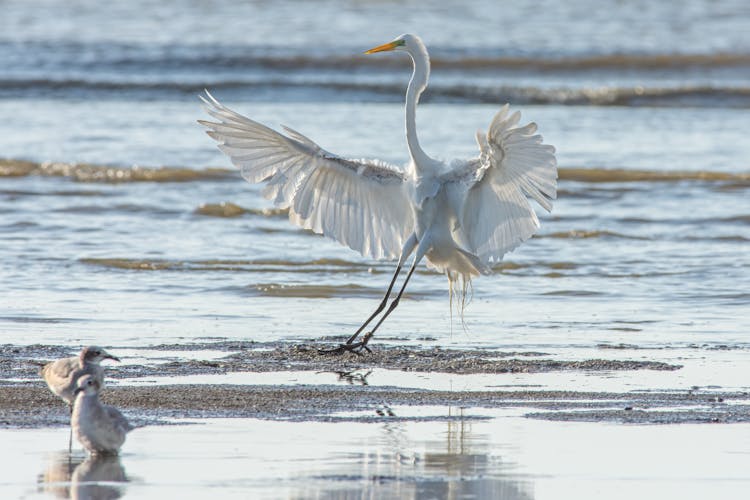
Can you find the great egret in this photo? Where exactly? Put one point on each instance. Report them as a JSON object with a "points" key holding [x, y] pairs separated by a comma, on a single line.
{"points": [[461, 216]]}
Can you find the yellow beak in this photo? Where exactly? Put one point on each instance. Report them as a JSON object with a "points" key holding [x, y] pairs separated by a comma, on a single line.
{"points": [[383, 48]]}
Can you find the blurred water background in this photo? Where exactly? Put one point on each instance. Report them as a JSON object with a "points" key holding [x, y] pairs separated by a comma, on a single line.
{"points": [[121, 222]]}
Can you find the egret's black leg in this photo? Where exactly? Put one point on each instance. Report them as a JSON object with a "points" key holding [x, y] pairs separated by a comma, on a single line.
{"points": [[379, 309], [393, 306], [357, 347], [350, 345], [342, 347]]}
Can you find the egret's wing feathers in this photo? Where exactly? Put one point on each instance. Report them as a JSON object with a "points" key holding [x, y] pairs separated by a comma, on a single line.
{"points": [[360, 203], [513, 164]]}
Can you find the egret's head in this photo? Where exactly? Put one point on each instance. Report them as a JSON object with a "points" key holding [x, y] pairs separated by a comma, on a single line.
{"points": [[95, 354], [406, 42], [87, 384]]}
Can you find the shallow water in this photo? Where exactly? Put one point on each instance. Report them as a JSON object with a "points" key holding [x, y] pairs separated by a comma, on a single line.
{"points": [[646, 249], [623, 261], [501, 457]]}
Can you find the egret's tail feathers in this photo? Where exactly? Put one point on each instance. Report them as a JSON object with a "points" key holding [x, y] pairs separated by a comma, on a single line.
{"points": [[465, 266], [460, 266], [459, 285], [472, 265]]}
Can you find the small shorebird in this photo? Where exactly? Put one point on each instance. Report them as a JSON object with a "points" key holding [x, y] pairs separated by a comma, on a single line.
{"points": [[100, 428], [62, 375]]}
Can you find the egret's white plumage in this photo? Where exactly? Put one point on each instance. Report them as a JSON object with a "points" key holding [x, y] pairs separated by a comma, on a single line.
{"points": [[363, 204], [461, 217]]}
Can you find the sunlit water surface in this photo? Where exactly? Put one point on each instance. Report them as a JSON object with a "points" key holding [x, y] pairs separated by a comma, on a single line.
{"points": [[499, 457]]}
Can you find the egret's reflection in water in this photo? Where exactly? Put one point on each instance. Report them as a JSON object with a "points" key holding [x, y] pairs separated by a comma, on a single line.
{"points": [[460, 464], [75, 476]]}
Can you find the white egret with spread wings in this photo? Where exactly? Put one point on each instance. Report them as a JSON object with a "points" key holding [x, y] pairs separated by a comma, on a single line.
{"points": [[460, 216]]}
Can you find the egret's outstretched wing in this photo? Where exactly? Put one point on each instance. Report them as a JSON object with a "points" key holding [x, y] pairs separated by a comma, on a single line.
{"points": [[360, 203], [513, 164]]}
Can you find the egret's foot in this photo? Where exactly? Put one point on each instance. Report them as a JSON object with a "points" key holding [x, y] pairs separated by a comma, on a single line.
{"points": [[355, 347]]}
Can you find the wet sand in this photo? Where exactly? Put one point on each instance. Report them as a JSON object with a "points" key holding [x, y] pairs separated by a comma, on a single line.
{"points": [[264, 420], [26, 403], [23, 406], [283, 356]]}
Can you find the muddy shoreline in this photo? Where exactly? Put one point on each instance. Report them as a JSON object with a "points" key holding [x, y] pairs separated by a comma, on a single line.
{"points": [[26, 403], [24, 361], [32, 405]]}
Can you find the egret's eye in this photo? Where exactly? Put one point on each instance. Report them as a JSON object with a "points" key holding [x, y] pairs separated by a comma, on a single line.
{"points": [[97, 352]]}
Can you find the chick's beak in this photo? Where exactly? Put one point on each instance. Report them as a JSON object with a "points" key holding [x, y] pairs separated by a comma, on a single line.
{"points": [[382, 48], [77, 390], [113, 358]]}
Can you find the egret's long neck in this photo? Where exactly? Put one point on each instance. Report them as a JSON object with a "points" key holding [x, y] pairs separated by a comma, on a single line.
{"points": [[417, 84]]}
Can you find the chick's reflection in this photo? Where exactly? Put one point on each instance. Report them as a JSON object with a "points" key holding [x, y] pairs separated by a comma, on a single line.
{"points": [[69, 477]]}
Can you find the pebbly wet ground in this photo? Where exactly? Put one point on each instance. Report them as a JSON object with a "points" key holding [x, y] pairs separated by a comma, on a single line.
{"points": [[277, 419], [159, 390], [24, 361]]}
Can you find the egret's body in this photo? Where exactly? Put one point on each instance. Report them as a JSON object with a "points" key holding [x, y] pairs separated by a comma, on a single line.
{"points": [[461, 217]]}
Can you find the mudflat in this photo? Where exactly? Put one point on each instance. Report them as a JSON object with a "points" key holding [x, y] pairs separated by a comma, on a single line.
{"points": [[154, 393]]}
